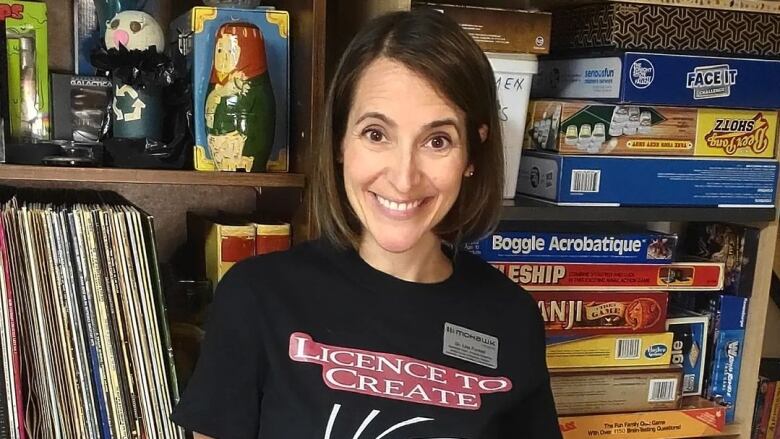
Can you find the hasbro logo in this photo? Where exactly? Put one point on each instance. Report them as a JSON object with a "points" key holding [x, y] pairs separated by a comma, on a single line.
{"points": [[708, 82], [655, 351], [642, 73]]}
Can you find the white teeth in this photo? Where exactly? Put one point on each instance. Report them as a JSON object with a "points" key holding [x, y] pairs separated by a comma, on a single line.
{"points": [[400, 207]]}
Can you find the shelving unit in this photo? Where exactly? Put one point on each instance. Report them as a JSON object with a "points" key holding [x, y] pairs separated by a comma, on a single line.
{"points": [[320, 30], [147, 176]]}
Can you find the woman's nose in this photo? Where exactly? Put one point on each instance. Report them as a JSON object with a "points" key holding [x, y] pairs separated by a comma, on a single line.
{"points": [[404, 169]]}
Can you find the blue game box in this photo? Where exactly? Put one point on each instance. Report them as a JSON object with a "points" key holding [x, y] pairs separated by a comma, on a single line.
{"points": [[662, 79], [689, 348], [648, 181], [728, 315], [527, 246]]}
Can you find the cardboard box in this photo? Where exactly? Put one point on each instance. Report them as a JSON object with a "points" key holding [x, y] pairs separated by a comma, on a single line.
{"points": [[579, 313], [736, 246], [28, 68], [595, 128], [80, 106], [728, 315], [665, 28], [689, 349], [221, 114], [500, 30], [550, 276], [648, 181], [697, 418], [662, 79], [616, 389], [609, 350], [767, 409], [576, 246]]}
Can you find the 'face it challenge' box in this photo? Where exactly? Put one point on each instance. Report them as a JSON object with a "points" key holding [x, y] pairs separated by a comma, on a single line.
{"points": [[661, 79], [240, 75]]}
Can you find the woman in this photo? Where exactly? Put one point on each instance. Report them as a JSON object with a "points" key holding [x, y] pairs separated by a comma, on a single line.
{"points": [[382, 329]]}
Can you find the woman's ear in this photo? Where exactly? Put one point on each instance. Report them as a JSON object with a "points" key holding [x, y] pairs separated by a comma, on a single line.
{"points": [[469, 172], [483, 133]]}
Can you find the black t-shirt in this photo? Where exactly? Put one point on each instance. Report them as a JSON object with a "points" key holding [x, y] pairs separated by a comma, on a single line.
{"points": [[315, 343]]}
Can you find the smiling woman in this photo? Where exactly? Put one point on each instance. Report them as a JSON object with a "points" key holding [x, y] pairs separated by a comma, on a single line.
{"points": [[384, 327]]}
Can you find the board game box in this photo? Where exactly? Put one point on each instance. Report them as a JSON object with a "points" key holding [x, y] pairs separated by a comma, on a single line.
{"points": [[624, 181], [582, 127], [565, 276], [644, 78], [567, 313], [616, 389], [734, 245], [697, 418], [689, 349], [597, 246], [610, 350]]}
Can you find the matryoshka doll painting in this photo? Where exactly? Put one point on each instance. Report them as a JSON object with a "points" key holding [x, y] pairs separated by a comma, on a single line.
{"points": [[240, 109]]}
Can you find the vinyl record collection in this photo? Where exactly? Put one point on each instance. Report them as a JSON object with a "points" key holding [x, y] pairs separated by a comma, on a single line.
{"points": [[84, 342]]}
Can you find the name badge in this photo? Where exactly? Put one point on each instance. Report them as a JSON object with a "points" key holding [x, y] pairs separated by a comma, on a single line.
{"points": [[469, 345]]}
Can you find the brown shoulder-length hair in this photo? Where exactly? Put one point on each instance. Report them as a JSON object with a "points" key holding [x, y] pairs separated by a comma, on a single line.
{"points": [[434, 46]]}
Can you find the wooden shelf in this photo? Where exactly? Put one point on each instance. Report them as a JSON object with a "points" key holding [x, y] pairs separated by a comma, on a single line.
{"points": [[148, 176], [529, 209]]}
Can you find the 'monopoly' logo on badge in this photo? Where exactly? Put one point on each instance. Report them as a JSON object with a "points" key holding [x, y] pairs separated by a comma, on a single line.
{"points": [[709, 82], [731, 135]]}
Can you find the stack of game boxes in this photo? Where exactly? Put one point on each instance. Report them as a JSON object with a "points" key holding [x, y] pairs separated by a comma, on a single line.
{"points": [[621, 360], [644, 105], [767, 410]]}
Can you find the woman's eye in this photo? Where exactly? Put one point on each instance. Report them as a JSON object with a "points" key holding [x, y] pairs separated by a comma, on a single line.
{"points": [[374, 135], [438, 143]]}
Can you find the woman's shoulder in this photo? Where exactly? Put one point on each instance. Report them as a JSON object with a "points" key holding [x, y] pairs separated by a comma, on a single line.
{"points": [[492, 282]]}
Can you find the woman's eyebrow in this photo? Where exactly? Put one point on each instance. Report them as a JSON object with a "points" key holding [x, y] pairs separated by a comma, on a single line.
{"points": [[376, 115], [441, 123]]}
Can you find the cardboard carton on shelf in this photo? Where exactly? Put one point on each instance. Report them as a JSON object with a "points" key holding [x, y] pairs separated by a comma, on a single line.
{"points": [[578, 180], [645, 78], [609, 350], [595, 128], [572, 276], [665, 27], [696, 418], [616, 389], [577, 313]]}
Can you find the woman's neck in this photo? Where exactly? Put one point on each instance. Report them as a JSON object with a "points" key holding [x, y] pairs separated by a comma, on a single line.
{"points": [[423, 263]]}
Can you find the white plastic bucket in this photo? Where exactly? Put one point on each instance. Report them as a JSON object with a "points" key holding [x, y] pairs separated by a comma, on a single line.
{"points": [[513, 73]]}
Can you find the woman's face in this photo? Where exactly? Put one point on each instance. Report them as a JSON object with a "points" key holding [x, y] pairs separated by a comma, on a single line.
{"points": [[404, 156]]}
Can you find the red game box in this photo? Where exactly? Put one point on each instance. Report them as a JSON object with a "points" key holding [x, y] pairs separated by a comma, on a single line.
{"points": [[540, 276], [567, 313]]}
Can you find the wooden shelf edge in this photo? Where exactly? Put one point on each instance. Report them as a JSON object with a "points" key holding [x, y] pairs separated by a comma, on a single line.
{"points": [[148, 176]]}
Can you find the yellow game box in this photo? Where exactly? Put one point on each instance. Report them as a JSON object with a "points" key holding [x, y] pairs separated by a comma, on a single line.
{"points": [[697, 418], [610, 350]]}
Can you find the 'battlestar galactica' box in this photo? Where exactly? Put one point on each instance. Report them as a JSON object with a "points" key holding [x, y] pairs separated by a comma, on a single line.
{"points": [[662, 79], [598, 312], [689, 349], [648, 181], [566, 276], [665, 28], [596, 246], [585, 391]]}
